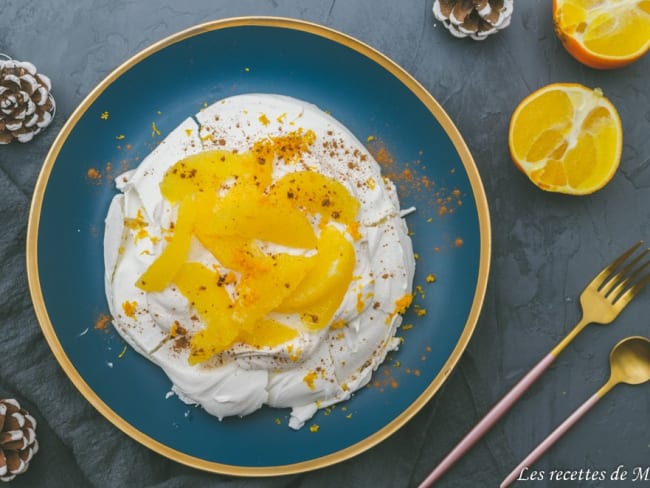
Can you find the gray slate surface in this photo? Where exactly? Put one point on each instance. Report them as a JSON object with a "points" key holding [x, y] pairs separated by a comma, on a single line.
{"points": [[546, 247]]}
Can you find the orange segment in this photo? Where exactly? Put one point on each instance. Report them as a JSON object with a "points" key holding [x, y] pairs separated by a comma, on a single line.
{"points": [[319, 315], [261, 290], [212, 303], [316, 194], [333, 267], [566, 138], [209, 170], [231, 252], [603, 34], [255, 217], [162, 271], [267, 332]]}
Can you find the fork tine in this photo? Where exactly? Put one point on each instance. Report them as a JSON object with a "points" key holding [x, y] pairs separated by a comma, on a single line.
{"points": [[625, 298], [618, 281], [625, 283], [602, 276]]}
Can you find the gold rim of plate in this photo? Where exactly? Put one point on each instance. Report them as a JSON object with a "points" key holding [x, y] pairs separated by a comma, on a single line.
{"points": [[484, 257]]}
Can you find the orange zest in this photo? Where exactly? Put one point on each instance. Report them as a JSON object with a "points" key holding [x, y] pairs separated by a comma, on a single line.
{"points": [[566, 138], [603, 34]]}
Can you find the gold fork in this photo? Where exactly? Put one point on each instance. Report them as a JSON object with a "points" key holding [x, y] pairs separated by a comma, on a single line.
{"points": [[601, 301]]}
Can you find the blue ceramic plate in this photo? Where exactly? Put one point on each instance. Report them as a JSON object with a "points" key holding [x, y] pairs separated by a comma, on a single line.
{"points": [[132, 110]]}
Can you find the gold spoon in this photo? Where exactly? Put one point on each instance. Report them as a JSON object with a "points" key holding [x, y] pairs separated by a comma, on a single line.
{"points": [[629, 363]]}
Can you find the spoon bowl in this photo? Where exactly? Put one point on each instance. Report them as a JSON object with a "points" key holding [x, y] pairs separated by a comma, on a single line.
{"points": [[630, 361]]}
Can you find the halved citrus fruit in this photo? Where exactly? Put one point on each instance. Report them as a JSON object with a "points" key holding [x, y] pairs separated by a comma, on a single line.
{"points": [[566, 138], [603, 33]]}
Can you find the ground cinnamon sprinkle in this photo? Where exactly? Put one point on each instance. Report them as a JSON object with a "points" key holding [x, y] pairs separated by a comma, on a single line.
{"points": [[385, 380], [98, 176], [405, 179], [382, 155], [93, 174], [406, 176], [102, 322], [410, 181], [415, 372]]}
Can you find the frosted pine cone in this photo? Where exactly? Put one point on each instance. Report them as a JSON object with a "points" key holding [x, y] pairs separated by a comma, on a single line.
{"points": [[26, 104], [18, 442], [474, 18]]}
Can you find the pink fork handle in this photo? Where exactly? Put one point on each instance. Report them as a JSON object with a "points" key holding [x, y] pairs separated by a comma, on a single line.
{"points": [[550, 440], [488, 420]]}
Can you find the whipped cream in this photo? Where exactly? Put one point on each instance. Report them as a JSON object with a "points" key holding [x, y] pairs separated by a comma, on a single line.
{"points": [[317, 367]]}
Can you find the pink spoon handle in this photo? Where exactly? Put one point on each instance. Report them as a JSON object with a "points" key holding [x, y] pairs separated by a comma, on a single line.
{"points": [[550, 440], [488, 420]]}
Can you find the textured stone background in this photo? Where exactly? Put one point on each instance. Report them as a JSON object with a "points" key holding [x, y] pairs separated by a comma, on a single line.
{"points": [[545, 248]]}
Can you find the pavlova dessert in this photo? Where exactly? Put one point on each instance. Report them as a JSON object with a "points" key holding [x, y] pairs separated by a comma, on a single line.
{"points": [[258, 256]]}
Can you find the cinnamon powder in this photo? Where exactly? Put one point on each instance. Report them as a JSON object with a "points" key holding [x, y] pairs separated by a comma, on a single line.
{"points": [[102, 322]]}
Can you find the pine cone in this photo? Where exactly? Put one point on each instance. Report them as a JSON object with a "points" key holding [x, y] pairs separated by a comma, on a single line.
{"points": [[18, 442], [474, 18], [26, 104]]}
